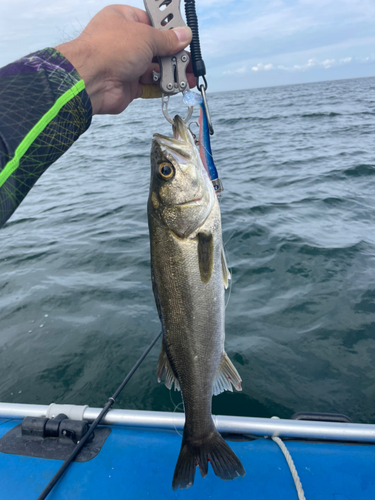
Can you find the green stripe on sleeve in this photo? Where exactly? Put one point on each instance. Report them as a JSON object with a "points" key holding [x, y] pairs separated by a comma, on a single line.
{"points": [[13, 164]]}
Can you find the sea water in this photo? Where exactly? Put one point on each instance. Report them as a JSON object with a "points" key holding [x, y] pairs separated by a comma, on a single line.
{"points": [[298, 214]]}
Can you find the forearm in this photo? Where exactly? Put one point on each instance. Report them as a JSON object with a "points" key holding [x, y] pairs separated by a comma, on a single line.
{"points": [[44, 108], [44, 97]]}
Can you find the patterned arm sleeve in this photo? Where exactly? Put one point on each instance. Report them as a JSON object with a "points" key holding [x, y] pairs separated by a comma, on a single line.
{"points": [[44, 108]]}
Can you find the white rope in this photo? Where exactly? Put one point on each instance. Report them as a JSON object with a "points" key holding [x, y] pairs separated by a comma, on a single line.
{"points": [[293, 470]]}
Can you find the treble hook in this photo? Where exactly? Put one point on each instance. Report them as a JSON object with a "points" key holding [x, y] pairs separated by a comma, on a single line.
{"points": [[196, 141]]}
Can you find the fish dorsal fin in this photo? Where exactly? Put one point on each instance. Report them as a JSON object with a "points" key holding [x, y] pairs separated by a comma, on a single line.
{"points": [[164, 366], [226, 274], [205, 255], [227, 377]]}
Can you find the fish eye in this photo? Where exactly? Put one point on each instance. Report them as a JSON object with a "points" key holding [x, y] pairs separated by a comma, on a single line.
{"points": [[166, 171]]}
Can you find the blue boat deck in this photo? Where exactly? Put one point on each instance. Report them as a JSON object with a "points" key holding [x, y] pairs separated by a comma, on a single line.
{"points": [[136, 464]]}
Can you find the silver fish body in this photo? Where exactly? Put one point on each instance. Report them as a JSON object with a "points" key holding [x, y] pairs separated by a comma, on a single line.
{"points": [[189, 275]]}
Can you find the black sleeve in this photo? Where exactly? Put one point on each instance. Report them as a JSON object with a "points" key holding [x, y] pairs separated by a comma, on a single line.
{"points": [[44, 108]]}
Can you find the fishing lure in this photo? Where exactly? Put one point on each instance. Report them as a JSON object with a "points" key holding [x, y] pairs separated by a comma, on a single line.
{"points": [[205, 151]]}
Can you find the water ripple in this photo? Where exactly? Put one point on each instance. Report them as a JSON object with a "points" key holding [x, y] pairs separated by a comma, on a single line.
{"points": [[298, 214]]}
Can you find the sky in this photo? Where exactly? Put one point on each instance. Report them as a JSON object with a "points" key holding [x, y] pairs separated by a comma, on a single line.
{"points": [[245, 43]]}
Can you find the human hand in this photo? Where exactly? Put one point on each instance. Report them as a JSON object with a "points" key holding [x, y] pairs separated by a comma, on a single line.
{"points": [[114, 54]]}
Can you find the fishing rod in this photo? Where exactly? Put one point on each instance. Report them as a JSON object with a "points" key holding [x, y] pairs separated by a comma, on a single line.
{"points": [[96, 422]]}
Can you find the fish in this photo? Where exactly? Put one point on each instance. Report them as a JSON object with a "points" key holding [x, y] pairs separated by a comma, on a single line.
{"points": [[189, 275]]}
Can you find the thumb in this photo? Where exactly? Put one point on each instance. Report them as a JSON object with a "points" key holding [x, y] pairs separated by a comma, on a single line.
{"points": [[169, 42]]}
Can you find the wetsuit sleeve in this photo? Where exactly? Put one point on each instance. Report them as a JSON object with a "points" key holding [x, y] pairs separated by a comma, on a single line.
{"points": [[44, 108]]}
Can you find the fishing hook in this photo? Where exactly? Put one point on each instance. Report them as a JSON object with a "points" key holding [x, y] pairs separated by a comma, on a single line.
{"points": [[196, 141]]}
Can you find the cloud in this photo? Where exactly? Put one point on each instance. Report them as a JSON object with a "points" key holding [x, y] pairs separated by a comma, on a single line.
{"points": [[328, 63], [314, 63], [265, 29], [262, 67], [244, 69], [295, 36], [310, 64], [366, 60], [238, 71]]}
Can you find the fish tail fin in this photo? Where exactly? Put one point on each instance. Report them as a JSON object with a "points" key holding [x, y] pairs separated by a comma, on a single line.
{"points": [[213, 449], [184, 472], [224, 461]]}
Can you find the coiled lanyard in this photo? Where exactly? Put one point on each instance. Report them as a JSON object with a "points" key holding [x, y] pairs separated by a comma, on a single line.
{"points": [[199, 68]]}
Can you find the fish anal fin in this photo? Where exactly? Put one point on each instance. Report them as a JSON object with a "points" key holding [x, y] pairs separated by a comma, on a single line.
{"points": [[227, 377], [205, 256], [226, 274], [164, 366]]}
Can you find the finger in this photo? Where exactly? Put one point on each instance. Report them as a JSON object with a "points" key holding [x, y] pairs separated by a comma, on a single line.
{"points": [[192, 81], [151, 92], [132, 13], [189, 67], [169, 42]]}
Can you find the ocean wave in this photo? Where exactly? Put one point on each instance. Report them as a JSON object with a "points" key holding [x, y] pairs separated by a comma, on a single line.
{"points": [[361, 170], [298, 217]]}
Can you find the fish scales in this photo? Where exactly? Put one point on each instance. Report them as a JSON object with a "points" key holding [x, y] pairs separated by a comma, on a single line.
{"points": [[193, 330], [188, 275]]}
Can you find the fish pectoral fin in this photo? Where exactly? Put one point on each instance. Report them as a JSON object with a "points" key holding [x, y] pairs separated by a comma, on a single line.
{"points": [[227, 377], [226, 274], [205, 255], [164, 366]]}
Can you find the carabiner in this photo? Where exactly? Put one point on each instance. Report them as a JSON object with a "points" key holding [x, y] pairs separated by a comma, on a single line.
{"points": [[205, 83], [164, 107]]}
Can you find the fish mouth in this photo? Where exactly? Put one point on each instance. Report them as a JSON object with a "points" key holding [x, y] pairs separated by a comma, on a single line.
{"points": [[182, 141], [180, 130], [197, 201]]}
